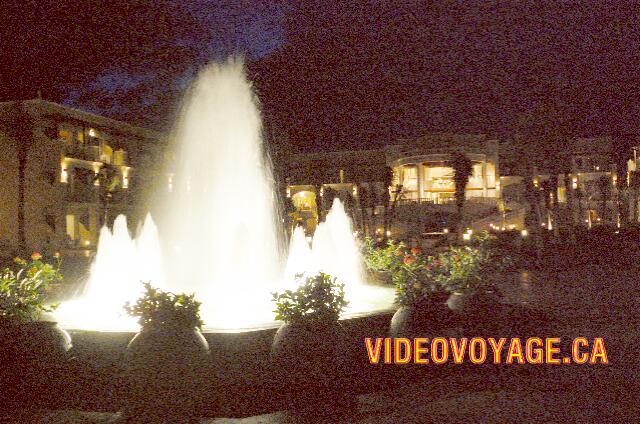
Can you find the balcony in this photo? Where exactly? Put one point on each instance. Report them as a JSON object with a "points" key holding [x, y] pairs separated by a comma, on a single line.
{"points": [[83, 152], [81, 193]]}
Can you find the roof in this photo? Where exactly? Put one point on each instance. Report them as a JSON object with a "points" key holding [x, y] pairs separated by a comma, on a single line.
{"points": [[98, 120]]}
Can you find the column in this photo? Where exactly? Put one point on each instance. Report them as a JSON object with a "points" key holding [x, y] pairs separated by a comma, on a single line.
{"points": [[420, 181], [484, 178]]}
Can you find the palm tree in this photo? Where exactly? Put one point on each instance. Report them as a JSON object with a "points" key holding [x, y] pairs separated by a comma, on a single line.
{"points": [[462, 168], [24, 141], [604, 188], [108, 182], [634, 188]]}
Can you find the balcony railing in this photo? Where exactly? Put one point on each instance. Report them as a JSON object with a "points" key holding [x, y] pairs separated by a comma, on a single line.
{"points": [[81, 193], [83, 152]]}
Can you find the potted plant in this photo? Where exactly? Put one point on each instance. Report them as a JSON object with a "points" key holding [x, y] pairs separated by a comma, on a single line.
{"points": [[419, 295], [306, 348], [166, 359], [30, 345]]}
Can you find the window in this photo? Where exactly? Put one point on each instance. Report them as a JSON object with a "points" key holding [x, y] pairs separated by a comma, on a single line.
{"points": [[410, 181], [65, 135], [50, 219]]}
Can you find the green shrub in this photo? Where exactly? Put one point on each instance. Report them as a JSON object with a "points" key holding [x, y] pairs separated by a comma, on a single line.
{"points": [[23, 292], [416, 278], [157, 309], [317, 300], [471, 267], [383, 259]]}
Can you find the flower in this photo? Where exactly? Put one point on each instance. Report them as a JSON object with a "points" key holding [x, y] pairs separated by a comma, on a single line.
{"points": [[416, 251], [35, 256], [456, 258], [409, 260]]}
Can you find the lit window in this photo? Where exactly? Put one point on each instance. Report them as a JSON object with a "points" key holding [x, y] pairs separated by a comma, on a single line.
{"points": [[64, 173], [64, 134], [125, 177]]}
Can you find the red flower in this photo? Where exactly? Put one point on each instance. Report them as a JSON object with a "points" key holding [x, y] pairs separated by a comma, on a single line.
{"points": [[416, 251], [36, 256], [408, 260]]}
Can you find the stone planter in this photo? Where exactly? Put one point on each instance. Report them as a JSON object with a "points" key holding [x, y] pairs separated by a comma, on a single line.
{"points": [[31, 356], [479, 312], [421, 320], [164, 373], [309, 360], [479, 301]]}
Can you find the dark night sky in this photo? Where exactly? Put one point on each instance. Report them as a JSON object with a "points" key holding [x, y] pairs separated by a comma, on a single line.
{"points": [[335, 75]]}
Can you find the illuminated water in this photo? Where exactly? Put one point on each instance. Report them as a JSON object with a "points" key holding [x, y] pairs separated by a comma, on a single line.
{"points": [[220, 234]]}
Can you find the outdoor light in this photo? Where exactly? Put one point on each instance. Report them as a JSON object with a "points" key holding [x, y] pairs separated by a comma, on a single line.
{"points": [[355, 190], [469, 231], [288, 192], [524, 233], [446, 231], [87, 243], [321, 191], [466, 236], [92, 132], [64, 176], [388, 233], [125, 177], [170, 186]]}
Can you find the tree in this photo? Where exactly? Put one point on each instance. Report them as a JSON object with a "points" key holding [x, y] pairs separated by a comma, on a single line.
{"points": [[634, 188], [462, 168], [543, 141], [604, 188], [390, 204], [24, 140], [108, 181]]}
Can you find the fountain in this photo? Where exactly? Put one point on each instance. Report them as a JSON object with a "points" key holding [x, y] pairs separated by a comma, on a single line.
{"points": [[219, 235]]}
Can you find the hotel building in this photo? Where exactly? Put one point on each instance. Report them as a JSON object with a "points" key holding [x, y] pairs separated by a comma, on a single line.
{"points": [[65, 171]]}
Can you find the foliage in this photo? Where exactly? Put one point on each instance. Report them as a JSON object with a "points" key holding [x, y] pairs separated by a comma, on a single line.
{"points": [[416, 278], [23, 293], [383, 259], [462, 169], [459, 269], [318, 299], [471, 267], [157, 308]]}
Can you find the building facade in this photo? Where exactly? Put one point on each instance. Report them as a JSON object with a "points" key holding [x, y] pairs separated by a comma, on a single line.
{"points": [[398, 189], [64, 173]]}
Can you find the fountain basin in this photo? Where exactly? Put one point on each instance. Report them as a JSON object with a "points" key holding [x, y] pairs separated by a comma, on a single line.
{"points": [[242, 379]]}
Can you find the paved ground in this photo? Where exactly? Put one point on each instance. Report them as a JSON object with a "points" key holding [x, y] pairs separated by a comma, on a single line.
{"points": [[596, 304]]}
